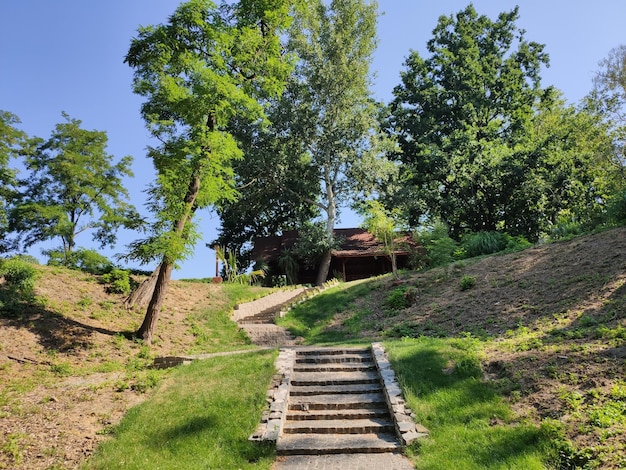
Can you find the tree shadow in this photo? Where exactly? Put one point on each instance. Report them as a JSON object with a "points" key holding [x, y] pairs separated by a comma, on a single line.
{"points": [[54, 331], [460, 402]]}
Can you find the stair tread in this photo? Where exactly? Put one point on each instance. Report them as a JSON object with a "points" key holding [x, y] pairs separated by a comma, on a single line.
{"points": [[303, 351], [335, 377], [336, 443], [334, 367], [303, 390], [354, 400], [355, 413], [355, 426]]}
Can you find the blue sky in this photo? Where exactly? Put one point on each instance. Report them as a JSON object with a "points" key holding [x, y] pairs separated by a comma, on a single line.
{"points": [[67, 55]]}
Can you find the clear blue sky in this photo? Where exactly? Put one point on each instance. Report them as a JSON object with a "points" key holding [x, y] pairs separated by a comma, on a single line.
{"points": [[67, 55]]}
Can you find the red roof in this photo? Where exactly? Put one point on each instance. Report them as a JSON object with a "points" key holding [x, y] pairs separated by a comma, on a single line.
{"points": [[355, 242]]}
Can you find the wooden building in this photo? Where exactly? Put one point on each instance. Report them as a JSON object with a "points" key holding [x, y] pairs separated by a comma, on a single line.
{"points": [[359, 256]]}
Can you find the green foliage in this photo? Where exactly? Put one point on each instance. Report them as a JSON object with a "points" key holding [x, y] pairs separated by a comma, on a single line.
{"points": [[118, 281], [396, 299], [440, 248], [289, 265], [505, 155], [83, 259], [483, 243], [385, 226], [19, 275], [72, 186], [313, 242], [467, 282], [11, 139]]}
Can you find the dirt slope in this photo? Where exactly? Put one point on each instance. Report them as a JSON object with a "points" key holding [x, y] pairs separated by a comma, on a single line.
{"points": [[557, 316], [557, 313]]}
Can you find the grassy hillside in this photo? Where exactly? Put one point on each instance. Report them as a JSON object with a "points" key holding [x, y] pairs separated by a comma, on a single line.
{"points": [[69, 371], [545, 328], [511, 361]]}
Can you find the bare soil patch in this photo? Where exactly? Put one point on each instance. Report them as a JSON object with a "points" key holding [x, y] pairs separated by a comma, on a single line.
{"points": [[68, 372]]}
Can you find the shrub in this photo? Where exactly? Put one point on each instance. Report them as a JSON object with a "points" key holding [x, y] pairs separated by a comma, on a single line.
{"points": [[82, 259], [467, 282], [118, 281], [484, 243], [440, 248], [396, 299], [19, 275]]}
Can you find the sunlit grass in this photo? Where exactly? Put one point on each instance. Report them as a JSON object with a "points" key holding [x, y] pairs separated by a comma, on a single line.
{"points": [[199, 418], [471, 426]]}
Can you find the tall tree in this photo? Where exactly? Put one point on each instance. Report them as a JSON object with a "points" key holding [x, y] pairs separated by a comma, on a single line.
{"points": [[334, 114], [72, 186], [204, 67], [462, 118], [11, 139], [326, 128]]}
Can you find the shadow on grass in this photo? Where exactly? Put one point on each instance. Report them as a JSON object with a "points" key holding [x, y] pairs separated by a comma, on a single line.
{"points": [[471, 425]]}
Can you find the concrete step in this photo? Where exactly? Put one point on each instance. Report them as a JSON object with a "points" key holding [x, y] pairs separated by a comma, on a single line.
{"points": [[363, 413], [337, 402], [315, 444], [305, 390], [341, 367], [339, 426], [333, 358], [330, 351], [335, 378]]}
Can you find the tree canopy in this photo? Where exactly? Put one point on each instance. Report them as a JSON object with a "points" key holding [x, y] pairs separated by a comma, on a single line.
{"points": [[324, 146], [72, 186], [462, 118], [201, 69]]}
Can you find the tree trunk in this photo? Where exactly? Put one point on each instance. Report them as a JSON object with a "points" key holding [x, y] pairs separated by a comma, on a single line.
{"points": [[322, 272], [394, 266], [146, 330], [141, 296]]}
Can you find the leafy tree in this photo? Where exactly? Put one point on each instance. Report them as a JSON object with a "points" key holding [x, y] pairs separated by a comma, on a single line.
{"points": [[608, 98], [385, 226], [11, 139], [575, 172], [72, 186], [462, 119], [267, 178], [327, 123], [206, 66]]}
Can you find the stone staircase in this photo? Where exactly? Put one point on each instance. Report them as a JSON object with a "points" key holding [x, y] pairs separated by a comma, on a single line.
{"points": [[336, 404]]}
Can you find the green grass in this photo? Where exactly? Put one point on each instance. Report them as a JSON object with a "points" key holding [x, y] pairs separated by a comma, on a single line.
{"points": [[199, 418], [470, 424], [311, 319]]}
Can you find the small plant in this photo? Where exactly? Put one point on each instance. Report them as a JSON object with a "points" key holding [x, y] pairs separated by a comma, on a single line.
{"points": [[19, 275], [118, 281], [84, 302], [396, 299], [467, 282]]}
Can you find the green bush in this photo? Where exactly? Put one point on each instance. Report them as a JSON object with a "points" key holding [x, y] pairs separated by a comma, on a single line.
{"points": [[118, 281], [82, 259], [483, 243], [467, 282], [616, 209], [396, 299], [19, 275], [440, 248]]}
